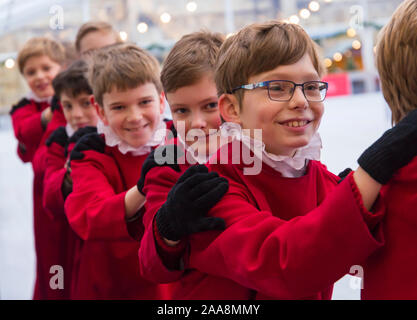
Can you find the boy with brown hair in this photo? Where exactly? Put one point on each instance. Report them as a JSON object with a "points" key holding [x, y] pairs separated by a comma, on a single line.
{"points": [[73, 91], [188, 81], [105, 168], [291, 230], [93, 35], [390, 272]]}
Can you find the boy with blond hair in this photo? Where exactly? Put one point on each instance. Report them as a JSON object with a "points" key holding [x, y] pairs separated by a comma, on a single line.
{"points": [[291, 230], [39, 61], [105, 203], [94, 35], [390, 272], [34, 118]]}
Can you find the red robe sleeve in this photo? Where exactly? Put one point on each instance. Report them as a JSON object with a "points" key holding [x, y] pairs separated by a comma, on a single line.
{"points": [[285, 259], [94, 208], [53, 199], [26, 120], [154, 256]]}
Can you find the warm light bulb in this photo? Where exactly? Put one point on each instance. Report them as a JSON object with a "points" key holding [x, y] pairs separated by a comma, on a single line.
{"points": [[314, 6], [165, 17], [328, 62], [356, 44], [305, 13], [9, 63], [191, 6], [123, 35], [142, 27], [351, 32], [337, 57], [294, 19]]}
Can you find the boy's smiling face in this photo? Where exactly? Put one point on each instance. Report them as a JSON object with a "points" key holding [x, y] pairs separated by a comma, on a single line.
{"points": [[196, 107], [78, 110], [286, 126], [133, 114], [39, 71]]}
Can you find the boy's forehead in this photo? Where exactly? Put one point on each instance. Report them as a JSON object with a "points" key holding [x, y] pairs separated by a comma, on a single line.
{"points": [[302, 70], [120, 92]]}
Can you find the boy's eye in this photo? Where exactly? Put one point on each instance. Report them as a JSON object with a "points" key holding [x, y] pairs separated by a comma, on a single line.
{"points": [[67, 106], [212, 105], [46, 68], [117, 108], [312, 86], [147, 101], [86, 103], [180, 110]]}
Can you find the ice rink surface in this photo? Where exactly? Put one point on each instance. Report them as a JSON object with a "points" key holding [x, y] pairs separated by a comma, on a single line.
{"points": [[349, 125]]}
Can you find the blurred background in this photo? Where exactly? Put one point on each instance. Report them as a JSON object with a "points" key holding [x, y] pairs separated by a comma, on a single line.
{"points": [[346, 30]]}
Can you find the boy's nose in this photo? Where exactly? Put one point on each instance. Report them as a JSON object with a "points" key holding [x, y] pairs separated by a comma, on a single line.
{"points": [[298, 99], [77, 111], [135, 114], [198, 122]]}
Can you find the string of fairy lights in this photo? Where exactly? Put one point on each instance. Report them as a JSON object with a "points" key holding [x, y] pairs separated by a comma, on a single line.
{"points": [[303, 14]]}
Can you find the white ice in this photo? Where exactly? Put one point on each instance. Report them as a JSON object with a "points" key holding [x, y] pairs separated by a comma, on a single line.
{"points": [[349, 125]]}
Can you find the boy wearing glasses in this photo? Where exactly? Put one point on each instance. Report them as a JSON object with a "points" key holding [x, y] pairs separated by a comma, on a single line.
{"points": [[291, 230]]}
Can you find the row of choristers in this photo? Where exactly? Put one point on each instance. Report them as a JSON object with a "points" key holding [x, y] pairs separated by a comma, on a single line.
{"points": [[229, 200]]}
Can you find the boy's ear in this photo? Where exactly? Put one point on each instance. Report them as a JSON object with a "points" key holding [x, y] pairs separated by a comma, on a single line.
{"points": [[99, 109], [162, 102], [229, 108]]}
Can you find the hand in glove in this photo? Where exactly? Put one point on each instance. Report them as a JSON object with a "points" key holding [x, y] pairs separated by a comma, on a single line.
{"points": [[395, 149], [91, 141], [188, 203], [165, 155]]}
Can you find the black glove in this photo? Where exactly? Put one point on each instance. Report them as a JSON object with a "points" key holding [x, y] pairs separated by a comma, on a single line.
{"points": [[91, 141], [59, 136], [342, 175], [165, 155], [188, 202], [395, 149], [55, 104], [23, 102], [78, 135]]}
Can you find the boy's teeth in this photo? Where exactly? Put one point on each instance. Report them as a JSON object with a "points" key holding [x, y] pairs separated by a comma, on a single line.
{"points": [[296, 123]]}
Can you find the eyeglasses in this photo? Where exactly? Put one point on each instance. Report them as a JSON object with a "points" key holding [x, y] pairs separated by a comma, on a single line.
{"points": [[283, 90]]}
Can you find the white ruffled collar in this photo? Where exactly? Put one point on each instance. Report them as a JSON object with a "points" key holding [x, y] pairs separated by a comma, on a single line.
{"points": [[32, 96], [112, 139], [289, 167], [69, 130], [192, 153]]}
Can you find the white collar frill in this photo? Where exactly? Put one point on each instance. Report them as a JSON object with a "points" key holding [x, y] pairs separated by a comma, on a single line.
{"points": [[289, 167], [31, 96], [112, 139]]}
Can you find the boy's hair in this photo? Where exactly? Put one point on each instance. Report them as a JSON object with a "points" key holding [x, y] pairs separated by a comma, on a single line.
{"points": [[93, 26], [259, 48], [396, 60], [72, 81], [123, 66], [193, 56], [71, 55], [40, 46]]}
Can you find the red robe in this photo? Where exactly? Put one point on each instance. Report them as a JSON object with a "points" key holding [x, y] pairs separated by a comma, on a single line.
{"points": [[65, 239], [285, 238], [390, 273], [46, 230], [26, 120], [108, 266]]}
